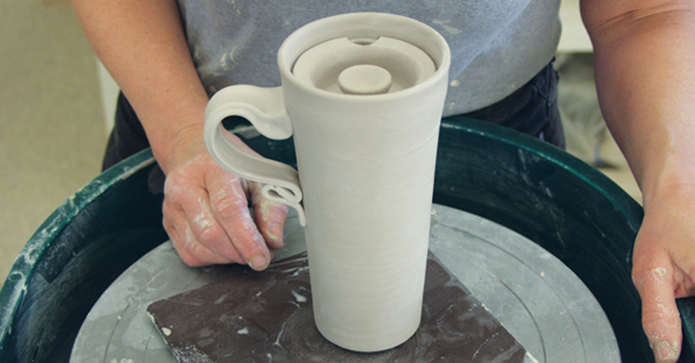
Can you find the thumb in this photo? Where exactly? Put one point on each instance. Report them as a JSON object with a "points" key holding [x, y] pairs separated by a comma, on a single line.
{"points": [[660, 317]]}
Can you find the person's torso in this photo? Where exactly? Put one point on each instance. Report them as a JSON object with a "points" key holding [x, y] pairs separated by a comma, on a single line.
{"points": [[496, 45]]}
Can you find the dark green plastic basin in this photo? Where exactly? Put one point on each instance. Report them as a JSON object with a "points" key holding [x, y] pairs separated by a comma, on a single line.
{"points": [[539, 191]]}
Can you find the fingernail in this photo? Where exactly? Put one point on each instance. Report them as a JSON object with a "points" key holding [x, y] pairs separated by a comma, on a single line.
{"points": [[258, 262], [664, 351]]}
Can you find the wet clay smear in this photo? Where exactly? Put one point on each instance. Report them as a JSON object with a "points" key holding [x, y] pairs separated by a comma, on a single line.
{"points": [[267, 317]]}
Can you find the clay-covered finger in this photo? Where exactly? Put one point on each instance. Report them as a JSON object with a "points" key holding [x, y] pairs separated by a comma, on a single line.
{"points": [[177, 238], [229, 206], [270, 217], [199, 234], [190, 250], [660, 315], [206, 230]]}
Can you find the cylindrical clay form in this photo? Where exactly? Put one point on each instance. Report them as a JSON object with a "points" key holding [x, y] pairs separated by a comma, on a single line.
{"points": [[363, 95], [366, 167]]}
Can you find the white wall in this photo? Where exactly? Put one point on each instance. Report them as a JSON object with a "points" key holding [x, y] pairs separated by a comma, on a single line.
{"points": [[574, 36], [109, 93]]}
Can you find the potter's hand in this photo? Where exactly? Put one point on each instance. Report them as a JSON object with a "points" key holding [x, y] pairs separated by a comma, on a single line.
{"points": [[664, 268], [205, 210], [207, 217]]}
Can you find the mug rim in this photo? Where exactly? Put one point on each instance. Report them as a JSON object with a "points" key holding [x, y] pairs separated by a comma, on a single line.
{"points": [[365, 25]]}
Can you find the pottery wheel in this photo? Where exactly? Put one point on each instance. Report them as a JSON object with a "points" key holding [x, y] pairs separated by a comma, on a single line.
{"points": [[535, 296]]}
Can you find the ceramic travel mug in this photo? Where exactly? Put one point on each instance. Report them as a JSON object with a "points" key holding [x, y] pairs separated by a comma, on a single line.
{"points": [[363, 95]]}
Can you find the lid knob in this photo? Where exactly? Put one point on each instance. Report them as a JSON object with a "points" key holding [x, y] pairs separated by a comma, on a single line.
{"points": [[364, 79]]}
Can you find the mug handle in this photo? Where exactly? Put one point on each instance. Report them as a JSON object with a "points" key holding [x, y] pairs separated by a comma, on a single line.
{"points": [[265, 109]]}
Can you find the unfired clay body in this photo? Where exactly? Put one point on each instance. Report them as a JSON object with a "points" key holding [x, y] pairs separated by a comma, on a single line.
{"points": [[362, 95]]}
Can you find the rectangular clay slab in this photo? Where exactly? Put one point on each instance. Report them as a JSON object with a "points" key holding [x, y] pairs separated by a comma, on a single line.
{"points": [[267, 317]]}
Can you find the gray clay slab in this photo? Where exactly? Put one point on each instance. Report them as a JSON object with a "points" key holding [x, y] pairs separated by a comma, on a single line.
{"points": [[536, 297]]}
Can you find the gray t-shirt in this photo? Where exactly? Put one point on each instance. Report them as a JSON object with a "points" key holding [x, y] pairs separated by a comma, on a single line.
{"points": [[496, 45]]}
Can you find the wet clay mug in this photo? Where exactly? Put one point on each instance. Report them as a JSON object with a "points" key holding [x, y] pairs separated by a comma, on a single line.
{"points": [[363, 95]]}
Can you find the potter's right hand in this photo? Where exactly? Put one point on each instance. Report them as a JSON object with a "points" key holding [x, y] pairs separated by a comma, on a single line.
{"points": [[206, 214], [143, 45]]}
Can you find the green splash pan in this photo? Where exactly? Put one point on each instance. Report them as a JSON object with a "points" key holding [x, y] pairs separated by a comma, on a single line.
{"points": [[535, 189]]}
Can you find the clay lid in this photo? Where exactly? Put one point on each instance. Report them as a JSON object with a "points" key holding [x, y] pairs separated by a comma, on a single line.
{"points": [[364, 66]]}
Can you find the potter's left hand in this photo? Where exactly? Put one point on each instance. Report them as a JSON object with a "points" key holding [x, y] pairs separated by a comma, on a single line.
{"points": [[643, 56], [664, 267]]}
